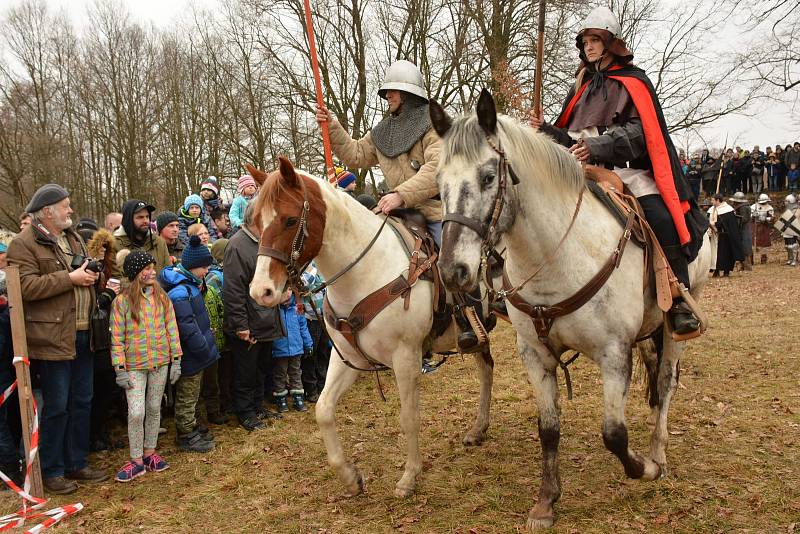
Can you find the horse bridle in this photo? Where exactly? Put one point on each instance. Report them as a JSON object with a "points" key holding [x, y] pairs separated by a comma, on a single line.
{"points": [[293, 269], [484, 231]]}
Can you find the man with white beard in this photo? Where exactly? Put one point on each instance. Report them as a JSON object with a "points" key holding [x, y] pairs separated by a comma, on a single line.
{"points": [[58, 296]]}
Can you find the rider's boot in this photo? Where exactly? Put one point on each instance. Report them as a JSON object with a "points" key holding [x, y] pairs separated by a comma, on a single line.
{"points": [[683, 320], [680, 315], [468, 341]]}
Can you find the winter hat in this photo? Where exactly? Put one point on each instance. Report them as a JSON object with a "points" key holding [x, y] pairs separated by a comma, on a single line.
{"points": [[47, 195], [196, 254], [135, 262], [165, 218], [244, 181], [344, 177], [87, 224], [193, 199], [368, 201], [3, 249], [218, 250], [211, 184]]}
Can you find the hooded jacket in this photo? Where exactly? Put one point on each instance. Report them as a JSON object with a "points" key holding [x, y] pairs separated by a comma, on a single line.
{"points": [[194, 326], [298, 339], [152, 242]]}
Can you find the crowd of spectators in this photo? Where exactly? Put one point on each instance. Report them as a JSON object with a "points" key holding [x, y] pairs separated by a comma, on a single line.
{"points": [[149, 314], [749, 171]]}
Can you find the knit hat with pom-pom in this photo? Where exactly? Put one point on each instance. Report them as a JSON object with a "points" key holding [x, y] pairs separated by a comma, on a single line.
{"points": [[196, 254]]}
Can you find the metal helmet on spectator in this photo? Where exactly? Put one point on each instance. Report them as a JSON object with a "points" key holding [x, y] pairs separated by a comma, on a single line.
{"points": [[403, 76], [763, 198]]}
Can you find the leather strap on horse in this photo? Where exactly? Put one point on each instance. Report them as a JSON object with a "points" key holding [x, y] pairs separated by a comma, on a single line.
{"points": [[364, 312], [543, 316]]}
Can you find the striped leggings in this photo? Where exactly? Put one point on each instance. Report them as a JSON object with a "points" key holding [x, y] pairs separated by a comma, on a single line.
{"points": [[144, 408]]}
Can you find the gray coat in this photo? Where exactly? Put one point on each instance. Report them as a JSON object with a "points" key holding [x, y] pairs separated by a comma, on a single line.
{"points": [[241, 311]]}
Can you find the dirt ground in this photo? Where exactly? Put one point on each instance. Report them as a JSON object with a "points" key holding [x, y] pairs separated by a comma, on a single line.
{"points": [[734, 448]]}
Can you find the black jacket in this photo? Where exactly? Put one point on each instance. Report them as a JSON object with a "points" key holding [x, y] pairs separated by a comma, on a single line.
{"points": [[241, 311]]}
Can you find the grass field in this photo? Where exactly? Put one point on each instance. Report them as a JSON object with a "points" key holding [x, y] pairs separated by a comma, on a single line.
{"points": [[734, 448]]}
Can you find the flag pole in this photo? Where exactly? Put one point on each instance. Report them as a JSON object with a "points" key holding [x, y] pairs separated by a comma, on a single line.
{"points": [[326, 136]]}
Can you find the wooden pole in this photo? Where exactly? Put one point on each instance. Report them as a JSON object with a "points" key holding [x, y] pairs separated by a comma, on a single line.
{"points": [[721, 164], [326, 136], [24, 388], [537, 87]]}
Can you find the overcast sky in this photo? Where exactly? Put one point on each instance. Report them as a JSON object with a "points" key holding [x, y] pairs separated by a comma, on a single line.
{"points": [[771, 123]]}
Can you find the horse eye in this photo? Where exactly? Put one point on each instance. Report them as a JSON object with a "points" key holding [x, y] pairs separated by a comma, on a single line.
{"points": [[291, 221], [487, 178]]}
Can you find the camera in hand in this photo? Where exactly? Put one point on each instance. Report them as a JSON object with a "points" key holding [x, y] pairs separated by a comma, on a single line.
{"points": [[95, 266]]}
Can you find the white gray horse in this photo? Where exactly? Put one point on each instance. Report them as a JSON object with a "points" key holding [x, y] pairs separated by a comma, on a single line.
{"points": [[536, 214]]}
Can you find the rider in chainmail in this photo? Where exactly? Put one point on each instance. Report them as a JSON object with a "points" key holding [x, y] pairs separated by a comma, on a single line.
{"points": [[407, 149]]}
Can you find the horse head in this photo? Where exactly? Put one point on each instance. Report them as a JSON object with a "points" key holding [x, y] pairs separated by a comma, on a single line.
{"points": [[290, 216], [475, 183]]}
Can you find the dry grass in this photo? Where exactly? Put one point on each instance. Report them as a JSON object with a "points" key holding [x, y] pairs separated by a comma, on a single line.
{"points": [[734, 450]]}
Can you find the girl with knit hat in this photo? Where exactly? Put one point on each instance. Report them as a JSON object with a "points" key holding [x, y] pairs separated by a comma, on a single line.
{"points": [[246, 190], [141, 354]]}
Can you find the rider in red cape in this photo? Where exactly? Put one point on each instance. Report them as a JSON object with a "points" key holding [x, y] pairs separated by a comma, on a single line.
{"points": [[612, 118]]}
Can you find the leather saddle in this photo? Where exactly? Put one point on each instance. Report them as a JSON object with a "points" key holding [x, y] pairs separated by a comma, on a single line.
{"points": [[411, 228], [609, 189]]}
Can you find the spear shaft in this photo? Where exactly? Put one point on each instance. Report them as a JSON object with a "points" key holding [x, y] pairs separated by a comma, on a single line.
{"points": [[537, 87], [312, 46]]}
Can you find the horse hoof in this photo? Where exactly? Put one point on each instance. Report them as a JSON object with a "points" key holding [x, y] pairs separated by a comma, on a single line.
{"points": [[539, 523], [357, 487], [652, 471], [473, 439], [403, 493]]}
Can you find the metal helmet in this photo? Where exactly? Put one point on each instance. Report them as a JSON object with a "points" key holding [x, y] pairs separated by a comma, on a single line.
{"points": [[791, 199], [602, 18], [763, 198], [739, 197], [403, 76]]}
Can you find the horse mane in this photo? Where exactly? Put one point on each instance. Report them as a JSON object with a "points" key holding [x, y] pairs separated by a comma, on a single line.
{"points": [[524, 146]]}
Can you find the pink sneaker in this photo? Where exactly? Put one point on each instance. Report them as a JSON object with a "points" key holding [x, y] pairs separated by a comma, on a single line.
{"points": [[130, 471], [155, 463]]}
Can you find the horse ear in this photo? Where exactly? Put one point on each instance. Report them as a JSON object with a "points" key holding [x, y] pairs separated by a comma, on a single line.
{"points": [[258, 176], [440, 120], [287, 171], [487, 112]]}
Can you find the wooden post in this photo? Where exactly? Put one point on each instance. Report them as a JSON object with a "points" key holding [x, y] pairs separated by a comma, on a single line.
{"points": [[24, 388]]}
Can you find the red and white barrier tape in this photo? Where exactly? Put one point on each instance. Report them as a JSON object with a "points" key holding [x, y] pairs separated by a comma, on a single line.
{"points": [[28, 512]]}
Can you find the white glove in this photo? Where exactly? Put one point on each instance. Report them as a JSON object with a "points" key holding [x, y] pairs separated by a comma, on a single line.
{"points": [[175, 372]]}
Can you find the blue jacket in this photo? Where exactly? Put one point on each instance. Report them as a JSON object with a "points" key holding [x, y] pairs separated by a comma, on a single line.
{"points": [[298, 339], [194, 326]]}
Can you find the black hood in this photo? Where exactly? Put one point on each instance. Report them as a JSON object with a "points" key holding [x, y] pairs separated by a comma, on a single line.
{"points": [[129, 208]]}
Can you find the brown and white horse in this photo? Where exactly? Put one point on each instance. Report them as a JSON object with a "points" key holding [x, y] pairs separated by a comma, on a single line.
{"points": [[339, 229], [537, 212]]}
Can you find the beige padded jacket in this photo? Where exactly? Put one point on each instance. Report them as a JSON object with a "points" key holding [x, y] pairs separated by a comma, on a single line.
{"points": [[417, 187]]}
